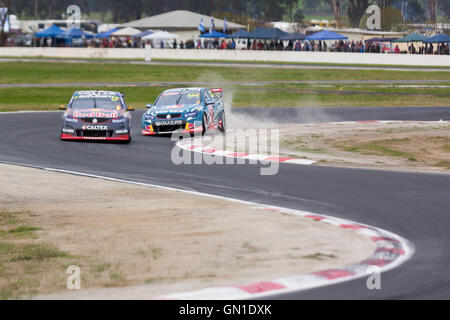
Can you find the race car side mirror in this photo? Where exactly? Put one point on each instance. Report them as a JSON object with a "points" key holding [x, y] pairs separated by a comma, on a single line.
{"points": [[62, 107], [149, 106], [130, 109]]}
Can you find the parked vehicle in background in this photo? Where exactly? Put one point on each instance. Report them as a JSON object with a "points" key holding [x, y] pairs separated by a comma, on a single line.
{"points": [[241, 44]]}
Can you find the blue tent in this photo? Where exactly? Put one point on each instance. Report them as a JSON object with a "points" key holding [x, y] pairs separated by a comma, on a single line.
{"points": [[239, 34], [381, 40], [293, 36], [51, 32], [267, 34], [106, 34], [213, 34], [326, 35], [75, 34], [413, 37], [143, 34], [439, 38]]}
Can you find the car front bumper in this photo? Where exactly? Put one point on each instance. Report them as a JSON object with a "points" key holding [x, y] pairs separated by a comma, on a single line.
{"points": [[167, 127], [83, 131]]}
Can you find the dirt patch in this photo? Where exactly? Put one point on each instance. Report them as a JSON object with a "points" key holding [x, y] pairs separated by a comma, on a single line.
{"points": [[122, 235], [410, 146]]}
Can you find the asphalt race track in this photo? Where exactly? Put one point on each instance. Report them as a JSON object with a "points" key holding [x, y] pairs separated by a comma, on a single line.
{"points": [[415, 206]]}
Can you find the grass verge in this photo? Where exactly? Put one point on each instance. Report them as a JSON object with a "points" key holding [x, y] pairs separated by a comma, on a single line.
{"points": [[44, 72], [49, 98], [381, 148], [231, 62], [24, 261]]}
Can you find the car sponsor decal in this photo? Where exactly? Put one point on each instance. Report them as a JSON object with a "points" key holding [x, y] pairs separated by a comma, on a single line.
{"points": [[97, 94], [103, 128], [95, 114], [171, 110], [174, 107], [168, 123]]}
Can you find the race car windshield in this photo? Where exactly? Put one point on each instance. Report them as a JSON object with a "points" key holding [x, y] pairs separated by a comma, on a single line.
{"points": [[96, 103], [171, 99]]}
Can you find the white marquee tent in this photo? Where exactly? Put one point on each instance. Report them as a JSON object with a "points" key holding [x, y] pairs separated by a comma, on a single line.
{"points": [[126, 32], [160, 35]]}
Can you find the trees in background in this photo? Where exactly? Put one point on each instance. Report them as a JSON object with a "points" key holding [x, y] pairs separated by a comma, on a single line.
{"points": [[267, 10], [291, 10], [123, 11], [444, 6], [416, 11], [391, 19], [336, 7], [391, 11], [39, 9], [356, 9], [299, 17], [432, 6], [5, 4]]}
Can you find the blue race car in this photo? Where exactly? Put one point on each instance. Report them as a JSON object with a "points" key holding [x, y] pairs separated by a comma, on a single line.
{"points": [[187, 110], [96, 115]]}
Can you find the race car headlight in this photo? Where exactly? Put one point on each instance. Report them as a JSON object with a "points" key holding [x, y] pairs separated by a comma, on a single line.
{"points": [[192, 114], [69, 118], [148, 116]]}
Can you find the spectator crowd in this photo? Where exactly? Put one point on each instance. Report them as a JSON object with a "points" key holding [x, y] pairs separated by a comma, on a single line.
{"points": [[243, 44]]}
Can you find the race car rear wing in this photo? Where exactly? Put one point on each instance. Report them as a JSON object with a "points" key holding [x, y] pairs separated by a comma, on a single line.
{"points": [[218, 92]]}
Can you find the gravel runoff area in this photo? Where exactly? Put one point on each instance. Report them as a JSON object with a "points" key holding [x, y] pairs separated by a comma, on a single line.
{"points": [[419, 146], [150, 240]]}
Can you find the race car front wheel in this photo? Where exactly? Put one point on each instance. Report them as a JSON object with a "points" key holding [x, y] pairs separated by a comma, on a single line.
{"points": [[223, 123], [131, 137], [204, 124]]}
